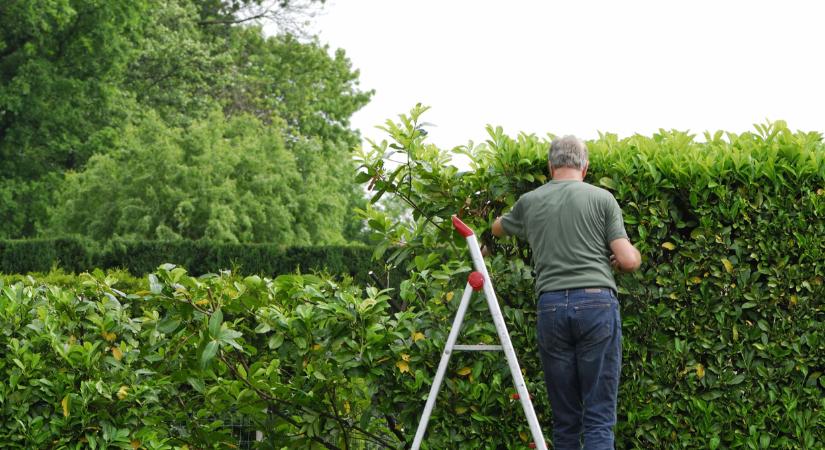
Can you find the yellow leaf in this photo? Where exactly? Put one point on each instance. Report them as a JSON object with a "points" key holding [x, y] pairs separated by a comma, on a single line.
{"points": [[347, 407], [735, 333], [460, 409], [405, 357], [669, 245], [109, 336], [523, 436], [700, 371], [202, 302], [673, 295], [65, 404], [135, 444], [402, 366], [449, 296], [117, 353], [316, 347], [123, 392], [464, 371], [417, 336], [793, 300], [695, 280], [728, 265]]}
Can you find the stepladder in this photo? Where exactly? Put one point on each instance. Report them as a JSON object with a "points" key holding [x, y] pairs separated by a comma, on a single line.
{"points": [[479, 281]]}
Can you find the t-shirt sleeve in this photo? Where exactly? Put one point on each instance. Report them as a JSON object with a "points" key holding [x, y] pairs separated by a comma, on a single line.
{"points": [[614, 223], [513, 222]]}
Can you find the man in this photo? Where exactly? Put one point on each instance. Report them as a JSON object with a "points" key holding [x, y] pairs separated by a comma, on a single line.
{"points": [[577, 234]]}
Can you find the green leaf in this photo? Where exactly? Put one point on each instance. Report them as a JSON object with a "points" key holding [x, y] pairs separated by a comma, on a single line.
{"points": [[608, 183], [275, 341], [168, 325], [209, 352], [196, 383], [154, 285], [215, 322], [737, 379], [362, 177]]}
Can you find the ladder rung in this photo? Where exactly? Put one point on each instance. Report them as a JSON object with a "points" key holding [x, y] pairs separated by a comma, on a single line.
{"points": [[479, 348]]}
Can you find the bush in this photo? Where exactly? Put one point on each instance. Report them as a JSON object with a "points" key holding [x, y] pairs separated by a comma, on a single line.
{"points": [[724, 337], [39, 255], [201, 257], [299, 357]]}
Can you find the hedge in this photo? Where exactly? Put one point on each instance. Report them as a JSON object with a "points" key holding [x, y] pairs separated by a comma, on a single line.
{"points": [[39, 255], [724, 325], [200, 257], [98, 365]]}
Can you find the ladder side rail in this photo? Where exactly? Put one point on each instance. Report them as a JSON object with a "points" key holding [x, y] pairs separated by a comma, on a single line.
{"points": [[442, 367], [504, 337]]}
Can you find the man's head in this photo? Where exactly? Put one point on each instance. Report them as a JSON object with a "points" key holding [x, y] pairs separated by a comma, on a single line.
{"points": [[567, 157]]}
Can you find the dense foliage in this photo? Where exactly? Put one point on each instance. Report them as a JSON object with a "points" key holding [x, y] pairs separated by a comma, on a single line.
{"points": [[201, 257], [724, 325], [167, 366], [119, 108]]}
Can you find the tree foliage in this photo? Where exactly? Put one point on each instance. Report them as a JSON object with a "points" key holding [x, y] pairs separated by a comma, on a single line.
{"points": [[222, 180], [79, 79]]}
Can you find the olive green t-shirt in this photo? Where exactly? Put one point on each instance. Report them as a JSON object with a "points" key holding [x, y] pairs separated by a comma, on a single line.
{"points": [[569, 226]]}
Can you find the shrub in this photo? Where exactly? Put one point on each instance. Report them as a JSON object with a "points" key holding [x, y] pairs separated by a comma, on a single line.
{"points": [[142, 257], [724, 339], [38, 255], [299, 357]]}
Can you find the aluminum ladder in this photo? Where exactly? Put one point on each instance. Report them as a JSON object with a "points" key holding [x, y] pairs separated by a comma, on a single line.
{"points": [[477, 281]]}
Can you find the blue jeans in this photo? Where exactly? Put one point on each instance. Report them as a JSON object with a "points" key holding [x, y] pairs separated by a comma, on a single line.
{"points": [[580, 345]]}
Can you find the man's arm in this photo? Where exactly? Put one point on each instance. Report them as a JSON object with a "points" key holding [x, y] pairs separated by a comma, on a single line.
{"points": [[625, 257]]}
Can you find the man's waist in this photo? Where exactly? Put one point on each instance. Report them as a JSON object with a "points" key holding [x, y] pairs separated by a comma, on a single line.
{"points": [[587, 290]]}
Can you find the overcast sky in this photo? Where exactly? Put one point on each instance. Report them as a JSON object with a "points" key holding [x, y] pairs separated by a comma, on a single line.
{"points": [[580, 67]]}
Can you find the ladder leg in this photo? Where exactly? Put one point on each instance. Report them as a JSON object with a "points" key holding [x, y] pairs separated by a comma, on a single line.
{"points": [[507, 344], [442, 367]]}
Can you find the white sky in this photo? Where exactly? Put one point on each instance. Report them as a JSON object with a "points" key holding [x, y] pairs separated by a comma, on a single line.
{"points": [[580, 67]]}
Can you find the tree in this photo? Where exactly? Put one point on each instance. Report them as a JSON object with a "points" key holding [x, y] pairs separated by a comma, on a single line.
{"points": [[223, 180], [83, 79], [315, 93], [60, 66]]}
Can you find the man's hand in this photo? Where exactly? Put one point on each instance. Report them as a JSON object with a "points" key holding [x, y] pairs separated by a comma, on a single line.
{"points": [[498, 228], [614, 263]]}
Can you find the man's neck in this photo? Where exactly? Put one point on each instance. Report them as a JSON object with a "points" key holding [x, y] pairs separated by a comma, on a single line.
{"points": [[567, 174]]}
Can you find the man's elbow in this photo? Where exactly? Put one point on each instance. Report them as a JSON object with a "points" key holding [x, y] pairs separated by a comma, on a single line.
{"points": [[631, 262]]}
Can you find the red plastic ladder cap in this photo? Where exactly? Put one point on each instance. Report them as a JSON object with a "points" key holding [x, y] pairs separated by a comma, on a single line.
{"points": [[476, 280], [461, 227]]}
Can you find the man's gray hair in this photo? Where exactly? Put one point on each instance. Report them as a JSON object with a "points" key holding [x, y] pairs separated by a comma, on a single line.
{"points": [[568, 151]]}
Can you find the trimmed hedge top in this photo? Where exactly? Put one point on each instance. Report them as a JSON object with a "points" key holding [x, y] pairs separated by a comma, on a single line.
{"points": [[200, 257]]}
